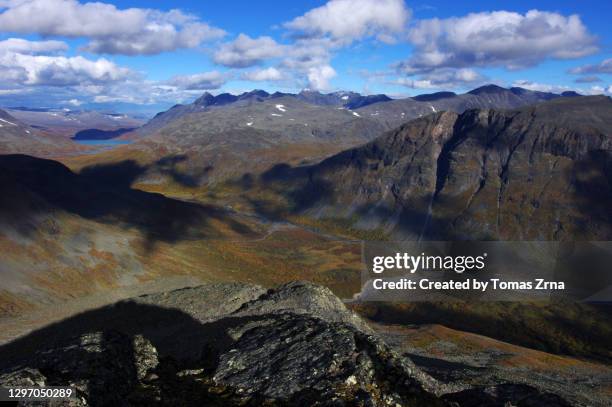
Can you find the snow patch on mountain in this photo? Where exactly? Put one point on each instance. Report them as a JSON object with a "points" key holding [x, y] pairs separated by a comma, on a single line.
{"points": [[6, 121]]}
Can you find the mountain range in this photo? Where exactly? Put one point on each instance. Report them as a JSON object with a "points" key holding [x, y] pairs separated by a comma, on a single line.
{"points": [[380, 109], [225, 136], [17, 136], [330, 121], [67, 122]]}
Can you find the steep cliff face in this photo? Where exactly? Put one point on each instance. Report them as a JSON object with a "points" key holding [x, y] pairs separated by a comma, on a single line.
{"points": [[541, 172]]}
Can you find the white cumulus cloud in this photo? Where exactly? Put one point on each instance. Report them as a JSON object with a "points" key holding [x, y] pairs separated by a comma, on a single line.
{"points": [[200, 81], [498, 38], [245, 51], [444, 78], [348, 20], [109, 30], [317, 35], [22, 46], [267, 74], [308, 53], [544, 87], [44, 70], [73, 102], [541, 87], [319, 77]]}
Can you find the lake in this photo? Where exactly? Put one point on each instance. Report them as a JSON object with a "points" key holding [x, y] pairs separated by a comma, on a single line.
{"points": [[103, 143]]}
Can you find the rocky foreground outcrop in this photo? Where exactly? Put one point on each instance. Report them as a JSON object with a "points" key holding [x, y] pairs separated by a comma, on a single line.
{"points": [[235, 344]]}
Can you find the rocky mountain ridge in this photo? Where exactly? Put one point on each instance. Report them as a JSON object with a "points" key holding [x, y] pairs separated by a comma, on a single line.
{"points": [[538, 172], [305, 100], [237, 344], [386, 112]]}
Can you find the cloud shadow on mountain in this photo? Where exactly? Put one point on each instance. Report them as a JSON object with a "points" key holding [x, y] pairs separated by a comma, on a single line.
{"points": [[307, 191], [104, 193]]}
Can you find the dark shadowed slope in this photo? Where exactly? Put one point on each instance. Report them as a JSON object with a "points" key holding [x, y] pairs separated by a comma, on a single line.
{"points": [[104, 193], [70, 235]]}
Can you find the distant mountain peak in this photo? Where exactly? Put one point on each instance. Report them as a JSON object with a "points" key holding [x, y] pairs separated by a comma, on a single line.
{"points": [[570, 94], [204, 100], [490, 88]]}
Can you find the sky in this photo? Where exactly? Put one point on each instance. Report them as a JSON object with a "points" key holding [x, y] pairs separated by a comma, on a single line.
{"points": [[139, 56]]}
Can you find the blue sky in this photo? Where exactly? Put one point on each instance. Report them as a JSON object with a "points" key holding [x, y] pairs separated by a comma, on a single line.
{"points": [[148, 55]]}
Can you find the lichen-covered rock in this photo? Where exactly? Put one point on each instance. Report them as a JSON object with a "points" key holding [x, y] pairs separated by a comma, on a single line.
{"points": [[24, 377], [306, 360], [302, 297], [103, 367]]}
